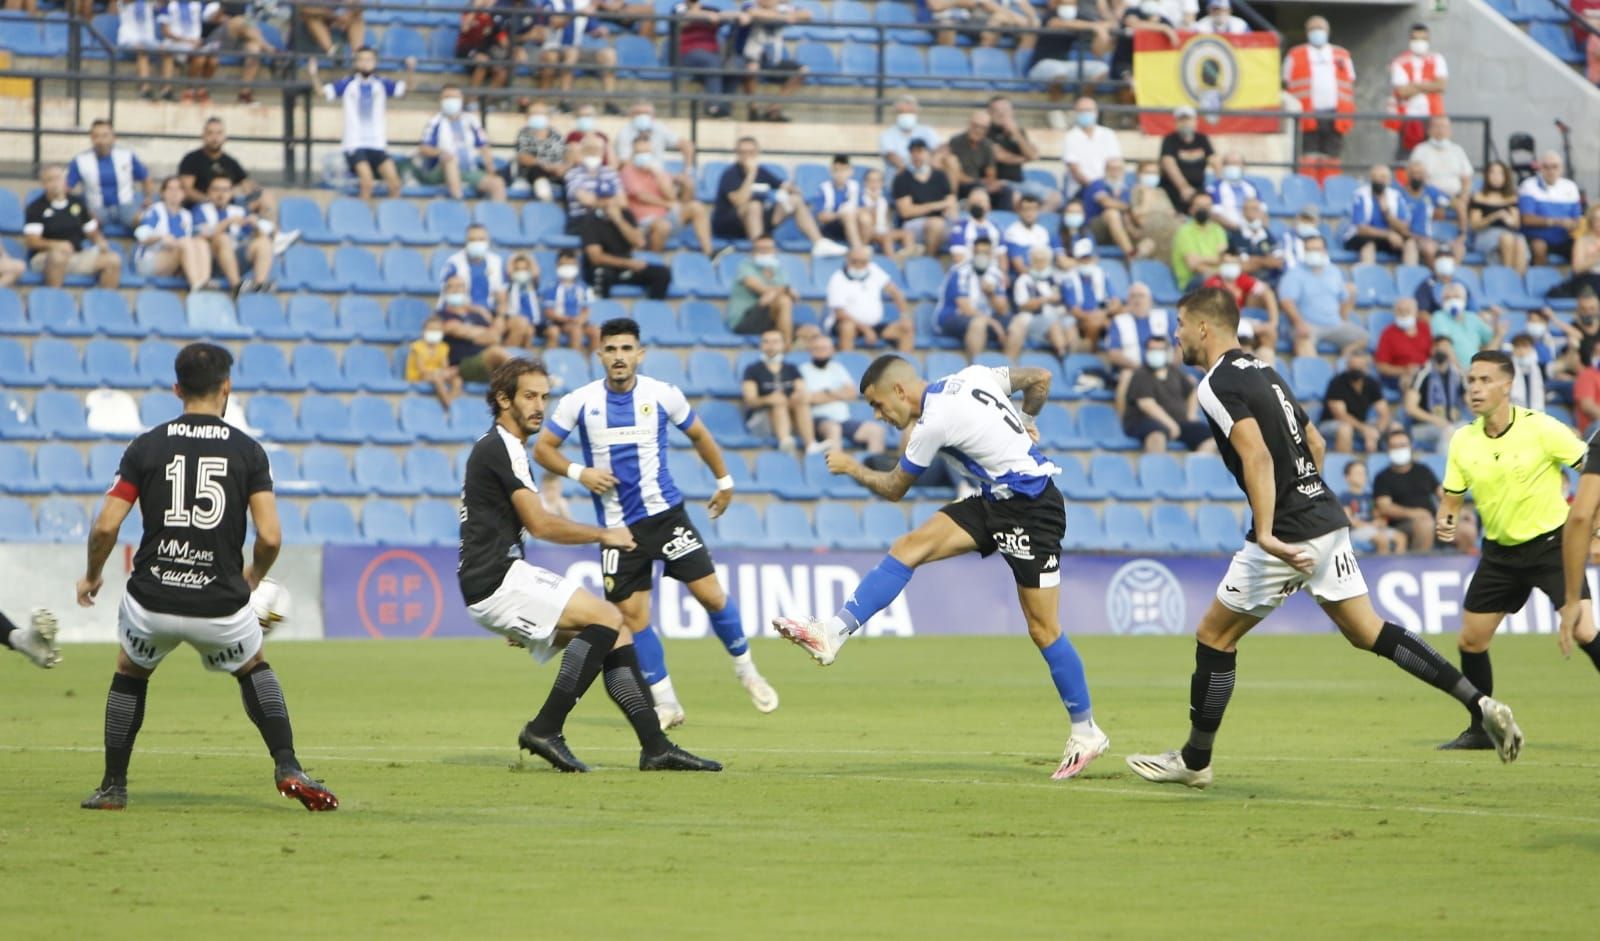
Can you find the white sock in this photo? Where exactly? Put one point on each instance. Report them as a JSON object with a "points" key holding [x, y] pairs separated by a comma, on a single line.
{"points": [[838, 630], [743, 665], [662, 692], [1086, 727]]}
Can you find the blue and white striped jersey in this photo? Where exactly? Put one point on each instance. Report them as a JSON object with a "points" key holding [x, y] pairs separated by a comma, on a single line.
{"points": [[158, 220], [970, 417], [108, 180], [462, 135], [366, 120], [484, 280], [209, 220], [626, 434]]}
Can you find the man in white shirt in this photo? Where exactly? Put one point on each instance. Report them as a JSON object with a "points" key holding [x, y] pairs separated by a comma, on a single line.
{"points": [[895, 141], [365, 140], [855, 304], [1220, 19], [832, 389], [1418, 77], [1087, 147], [1449, 168]]}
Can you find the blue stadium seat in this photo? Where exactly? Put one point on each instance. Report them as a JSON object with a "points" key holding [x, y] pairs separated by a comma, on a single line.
{"points": [[263, 314], [17, 474], [1374, 286], [1172, 529], [425, 418], [358, 268], [907, 65], [329, 469], [694, 480], [569, 368], [1126, 527], [363, 318], [328, 419], [740, 527], [61, 415], [659, 323], [306, 269], [636, 58], [106, 313], [882, 524], [110, 362], [13, 319], [62, 520], [924, 279], [1297, 192], [818, 61], [297, 212], [788, 527], [436, 522], [158, 407], [1338, 192], [546, 224], [430, 472], [156, 358], [1085, 533], [1539, 282], [161, 313], [311, 316], [501, 221], [16, 521], [782, 474], [292, 521], [1056, 428], [274, 417], [1163, 477], [367, 368], [330, 522], [1218, 528], [1098, 422], [15, 370], [468, 419], [351, 221], [407, 314], [400, 42], [994, 67], [104, 460], [379, 471], [951, 64], [1164, 289], [55, 312], [707, 324], [839, 527], [1558, 40], [1309, 377], [693, 276], [725, 421], [373, 418], [668, 367], [1210, 477], [11, 212], [405, 270], [1503, 286], [263, 366], [57, 362], [713, 374], [399, 221], [1113, 472], [317, 367], [62, 466], [1074, 482]]}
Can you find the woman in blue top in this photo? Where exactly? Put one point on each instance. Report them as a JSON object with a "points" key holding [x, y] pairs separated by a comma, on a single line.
{"points": [[167, 241]]}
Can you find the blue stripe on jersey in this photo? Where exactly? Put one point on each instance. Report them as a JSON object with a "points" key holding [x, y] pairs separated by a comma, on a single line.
{"points": [[588, 461], [669, 492], [562, 433], [1019, 483], [625, 457], [687, 423]]}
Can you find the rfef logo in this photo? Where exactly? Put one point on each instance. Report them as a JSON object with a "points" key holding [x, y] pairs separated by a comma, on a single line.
{"points": [[399, 595]]}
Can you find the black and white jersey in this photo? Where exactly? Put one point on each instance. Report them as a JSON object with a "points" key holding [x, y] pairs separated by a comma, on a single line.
{"points": [[491, 531], [192, 478], [1241, 386]]}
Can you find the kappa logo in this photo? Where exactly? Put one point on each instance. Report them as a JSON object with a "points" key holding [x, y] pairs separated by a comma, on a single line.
{"points": [[683, 541], [1052, 563], [1017, 544]]}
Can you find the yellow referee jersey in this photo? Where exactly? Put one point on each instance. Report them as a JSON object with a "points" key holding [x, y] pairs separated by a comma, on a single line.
{"points": [[1515, 477]]}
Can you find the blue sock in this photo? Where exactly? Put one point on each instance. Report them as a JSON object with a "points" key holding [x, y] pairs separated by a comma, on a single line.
{"points": [[729, 626], [877, 591], [1066, 670], [652, 657]]}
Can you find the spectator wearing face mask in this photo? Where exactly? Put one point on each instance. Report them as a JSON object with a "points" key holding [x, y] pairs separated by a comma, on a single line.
{"points": [[1430, 292], [1161, 407], [1186, 155], [1295, 235], [1087, 147], [1319, 303], [976, 225], [1041, 298], [428, 361], [1322, 78], [1406, 494], [762, 299], [1551, 206], [1404, 345], [584, 126], [483, 270], [1154, 220], [895, 141], [1130, 330], [1198, 247], [1427, 206], [1436, 396], [1096, 304], [1380, 219], [776, 400], [524, 312], [1447, 166], [591, 187], [1255, 244], [1231, 191], [1468, 330], [1108, 204], [830, 389], [1365, 529], [1549, 342], [878, 221], [1354, 405], [1418, 78], [566, 303], [471, 331], [659, 204], [541, 153], [973, 300], [1026, 234], [1527, 385], [855, 296], [1252, 296], [455, 152], [836, 204], [366, 123]]}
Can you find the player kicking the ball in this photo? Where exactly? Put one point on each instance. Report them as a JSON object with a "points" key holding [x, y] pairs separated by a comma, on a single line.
{"points": [[195, 478], [536, 608], [1300, 538], [622, 421], [37, 641], [1019, 513]]}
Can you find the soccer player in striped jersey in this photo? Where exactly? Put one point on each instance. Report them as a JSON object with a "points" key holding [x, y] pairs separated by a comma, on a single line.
{"points": [[622, 421], [1019, 513]]}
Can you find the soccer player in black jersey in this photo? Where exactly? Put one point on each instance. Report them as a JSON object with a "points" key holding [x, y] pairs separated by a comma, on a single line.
{"points": [[1300, 538], [194, 478], [538, 609]]}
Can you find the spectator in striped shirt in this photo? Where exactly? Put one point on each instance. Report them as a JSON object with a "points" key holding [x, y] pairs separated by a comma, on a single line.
{"points": [[1228, 195], [566, 306], [366, 118], [455, 151], [139, 32], [1551, 208], [238, 239], [113, 180], [524, 309], [168, 242], [564, 49], [836, 203]]}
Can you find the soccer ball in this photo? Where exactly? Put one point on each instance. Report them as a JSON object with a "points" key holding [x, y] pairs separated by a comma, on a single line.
{"points": [[270, 602]]}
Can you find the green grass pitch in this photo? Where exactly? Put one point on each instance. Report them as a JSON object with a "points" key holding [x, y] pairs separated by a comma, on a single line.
{"points": [[903, 792]]}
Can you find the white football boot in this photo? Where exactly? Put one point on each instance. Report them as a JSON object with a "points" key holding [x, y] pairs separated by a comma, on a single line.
{"points": [[1168, 768], [762, 695], [1082, 748], [37, 641], [1501, 728], [812, 635]]}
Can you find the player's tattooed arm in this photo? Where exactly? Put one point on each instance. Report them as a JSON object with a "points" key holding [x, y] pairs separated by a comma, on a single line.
{"points": [[1034, 384], [102, 540], [891, 485]]}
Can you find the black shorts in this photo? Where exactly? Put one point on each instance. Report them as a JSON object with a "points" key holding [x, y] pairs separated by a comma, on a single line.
{"points": [[726, 223], [833, 229], [1027, 532], [1507, 575], [668, 537], [371, 156]]}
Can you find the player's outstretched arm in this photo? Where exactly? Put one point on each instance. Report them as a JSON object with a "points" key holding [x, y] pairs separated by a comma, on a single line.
{"points": [[102, 539], [890, 485], [1575, 538], [551, 528], [711, 453], [1260, 488], [547, 451], [1034, 384], [269, 537]]}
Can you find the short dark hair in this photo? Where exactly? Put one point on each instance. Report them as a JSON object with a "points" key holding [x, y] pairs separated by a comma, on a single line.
{"points": [[917, 142], [876, 370], [1496, 357], [1439, 338], [746, 137], [506, 376], [1396, 430], [1213, 304], [982, 240], [100, 122], [619, 327], [366, 49], [841, 159], [201, 369], [1522, 338], [1419, 27], [571, 253], [1027, 198]]}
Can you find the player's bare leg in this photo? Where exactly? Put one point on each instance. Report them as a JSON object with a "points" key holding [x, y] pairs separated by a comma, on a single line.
{"points": [[938, 538], [728, 624], [1087, 741], [37, 641]]}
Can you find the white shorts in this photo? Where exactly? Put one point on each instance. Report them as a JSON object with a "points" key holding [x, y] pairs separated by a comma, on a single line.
{"points": [[1258, 581], [527, 606], [146, 262], [1038, 324], [225, 644]]}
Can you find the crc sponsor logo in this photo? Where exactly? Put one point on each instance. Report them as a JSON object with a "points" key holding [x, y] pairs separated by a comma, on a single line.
{"points": [[683, 542], [399, 595], [1017, 544], [1144, 597]]}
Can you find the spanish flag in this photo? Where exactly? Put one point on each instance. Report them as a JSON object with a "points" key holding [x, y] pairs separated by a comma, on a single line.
{"points": [[1210, 72]]}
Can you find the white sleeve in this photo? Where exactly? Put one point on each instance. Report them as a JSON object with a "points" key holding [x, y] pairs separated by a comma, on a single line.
{"points": [[1002, 378], [677, 405], [922, 446], [564, 420], [836, 288]]}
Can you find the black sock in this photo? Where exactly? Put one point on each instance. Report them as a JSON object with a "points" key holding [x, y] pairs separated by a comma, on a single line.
{"points": [[1478, 671], [1209, 691], [1592, 648], [581, 663], [6, 629], [628, 690], [124, 715], [1413, 655], [263, 700]]}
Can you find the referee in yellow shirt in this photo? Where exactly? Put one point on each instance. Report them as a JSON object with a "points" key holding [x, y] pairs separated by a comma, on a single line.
{"points": [[1511, 459]]}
